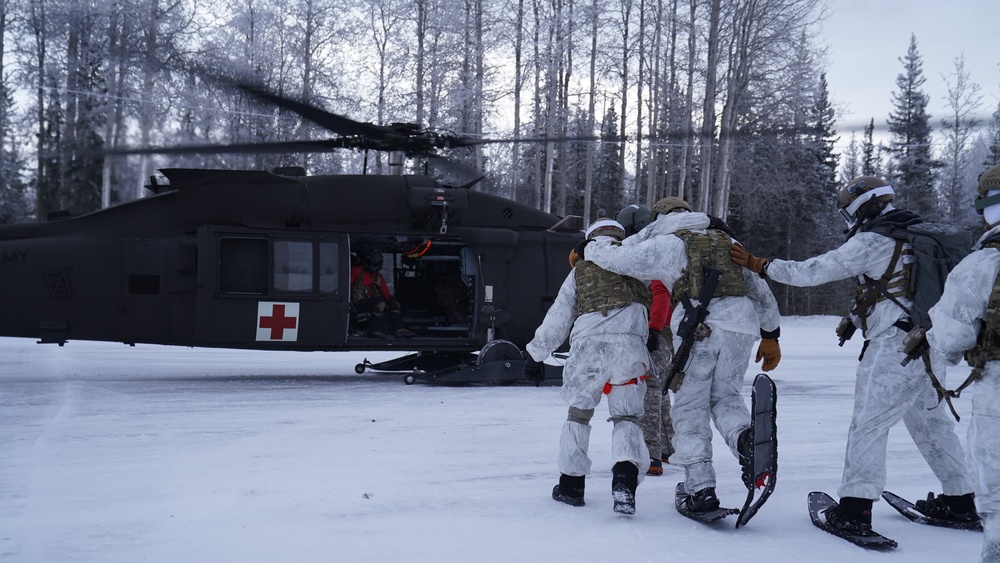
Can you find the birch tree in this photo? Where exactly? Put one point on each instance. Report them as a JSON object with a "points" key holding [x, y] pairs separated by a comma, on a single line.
{"points": [[958, 179]]}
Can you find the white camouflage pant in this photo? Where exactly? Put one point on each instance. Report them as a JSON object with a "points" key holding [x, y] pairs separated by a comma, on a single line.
{"points": [[583, 392], [710, 393], [984, 457], [885, 393]]}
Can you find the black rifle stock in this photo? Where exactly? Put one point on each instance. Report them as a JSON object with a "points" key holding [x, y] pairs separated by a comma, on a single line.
{"points": [[692, 326]]}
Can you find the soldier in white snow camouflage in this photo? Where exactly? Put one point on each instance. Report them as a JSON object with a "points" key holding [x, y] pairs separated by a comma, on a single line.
{"points": [[967, 320], [605, 316], [886, 392]]}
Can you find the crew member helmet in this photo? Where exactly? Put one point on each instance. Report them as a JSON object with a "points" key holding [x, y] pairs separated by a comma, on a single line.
{"points": [[633, 218], [371, 260], [863, 198], [605, 227], [669, 205]]}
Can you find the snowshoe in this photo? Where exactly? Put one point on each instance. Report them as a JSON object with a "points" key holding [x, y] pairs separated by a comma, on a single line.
{"points": [[937, 511], [824, 515], [758, 448], [702, 506]]}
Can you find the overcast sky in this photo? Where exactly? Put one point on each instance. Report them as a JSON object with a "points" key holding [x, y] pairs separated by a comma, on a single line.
{"points": [[866, 39]]}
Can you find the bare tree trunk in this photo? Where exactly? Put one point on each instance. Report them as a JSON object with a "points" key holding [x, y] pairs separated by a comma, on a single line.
{"points": [[421, 55], [708, 118], [518, 87], [148, 72], [684, 180], [639, 84], [672, 151], [626, 13], [39, 23], [588, 183], [539, 182], [477, 102], [657, 105]]}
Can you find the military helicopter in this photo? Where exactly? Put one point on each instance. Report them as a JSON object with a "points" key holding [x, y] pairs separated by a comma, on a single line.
{"points": [[252, 259]]}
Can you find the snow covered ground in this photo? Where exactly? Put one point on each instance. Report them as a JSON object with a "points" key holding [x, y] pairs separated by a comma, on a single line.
{"points": [[112, 453]]}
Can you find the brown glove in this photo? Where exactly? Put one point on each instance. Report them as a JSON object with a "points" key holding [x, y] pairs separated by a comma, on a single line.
{"points": [[741, 257], [573, 257], [770, 352]]}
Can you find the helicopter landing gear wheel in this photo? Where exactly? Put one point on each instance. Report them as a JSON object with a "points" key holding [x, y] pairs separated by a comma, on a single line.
{"points": [[499, 351], [359, 369], [409, 379]]}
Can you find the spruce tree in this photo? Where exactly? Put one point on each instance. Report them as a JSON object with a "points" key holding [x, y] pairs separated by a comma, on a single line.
{"points": [[608, 190], [914, 170], [869, 156]]}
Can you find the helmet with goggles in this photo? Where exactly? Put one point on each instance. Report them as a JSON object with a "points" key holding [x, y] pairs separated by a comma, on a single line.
{"points": [[606, 227], [863, 198]]}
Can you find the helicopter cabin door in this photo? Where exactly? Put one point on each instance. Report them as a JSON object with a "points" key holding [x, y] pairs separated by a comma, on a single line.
{"points": [[272, 289]]}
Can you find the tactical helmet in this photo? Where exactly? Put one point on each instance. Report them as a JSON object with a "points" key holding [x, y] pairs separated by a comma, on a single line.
{"points": [[863, 198], [607, 228], [988, 181], [668, 204], [633, 218], [371, 260]]}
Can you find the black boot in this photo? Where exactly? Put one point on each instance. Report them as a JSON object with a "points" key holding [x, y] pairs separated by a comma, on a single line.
{"points": [[853, 515], [956, 508], [569, 489], [744, 447], [703, 500], [624, 480]]}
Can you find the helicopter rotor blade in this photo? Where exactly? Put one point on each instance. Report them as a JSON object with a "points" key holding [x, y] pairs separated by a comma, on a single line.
{"points": [[332, 122], [468, 141], [244, 148]]}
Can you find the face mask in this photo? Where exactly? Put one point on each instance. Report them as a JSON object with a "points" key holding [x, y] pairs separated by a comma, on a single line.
{"points": [[992, 213]]}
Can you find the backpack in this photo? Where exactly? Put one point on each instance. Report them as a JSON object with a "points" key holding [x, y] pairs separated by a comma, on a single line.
{"points": [[937, 249]]}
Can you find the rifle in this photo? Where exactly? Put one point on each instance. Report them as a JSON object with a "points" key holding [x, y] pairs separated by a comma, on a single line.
{"points": [[692, 328]]}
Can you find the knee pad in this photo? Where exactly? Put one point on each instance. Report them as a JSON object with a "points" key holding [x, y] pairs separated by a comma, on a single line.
{"points": [[580, 416]]}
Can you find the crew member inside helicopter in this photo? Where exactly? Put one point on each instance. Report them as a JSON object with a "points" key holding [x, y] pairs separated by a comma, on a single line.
{"points": [[374, 309]]}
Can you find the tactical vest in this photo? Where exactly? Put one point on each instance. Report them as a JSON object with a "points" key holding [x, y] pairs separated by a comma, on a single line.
{"points": [[710, 248], [600, 290], [987, 347], [896, 283]]}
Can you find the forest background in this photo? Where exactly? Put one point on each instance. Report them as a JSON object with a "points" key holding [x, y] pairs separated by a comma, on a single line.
{"points": [[724, 103]]}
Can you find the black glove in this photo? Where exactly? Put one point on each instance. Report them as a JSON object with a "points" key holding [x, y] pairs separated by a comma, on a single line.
{"points": [[653, 341], [718, 224], [534, 371], [578, 249]]}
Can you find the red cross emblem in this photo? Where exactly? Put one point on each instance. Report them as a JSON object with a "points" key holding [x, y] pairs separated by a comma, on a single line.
{"points": [[277, 321]]}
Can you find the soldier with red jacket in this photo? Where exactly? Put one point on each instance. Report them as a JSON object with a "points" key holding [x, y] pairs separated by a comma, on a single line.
{"points": [[374, 309]]}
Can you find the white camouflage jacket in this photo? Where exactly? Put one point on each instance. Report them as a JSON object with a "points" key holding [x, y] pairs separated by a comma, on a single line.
{"points": [[656, 253], [957, 317], [864, 253], [624, 324]]}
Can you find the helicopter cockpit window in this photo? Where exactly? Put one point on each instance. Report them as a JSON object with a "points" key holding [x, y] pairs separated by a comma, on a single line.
{"points": [[293, 266], [243, 265]]}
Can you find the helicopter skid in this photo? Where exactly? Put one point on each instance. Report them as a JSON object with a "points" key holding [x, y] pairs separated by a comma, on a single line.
{"points": [[505, 372]]}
